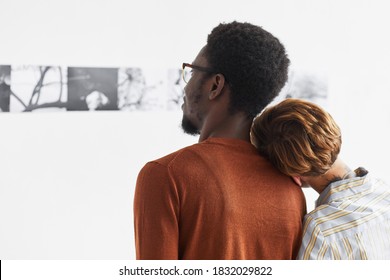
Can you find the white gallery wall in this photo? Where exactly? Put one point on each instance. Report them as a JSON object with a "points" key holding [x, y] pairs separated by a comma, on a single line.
{"points": [[67, 178]]}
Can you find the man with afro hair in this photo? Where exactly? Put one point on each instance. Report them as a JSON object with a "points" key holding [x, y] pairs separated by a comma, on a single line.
{"points": [[220, 199]]}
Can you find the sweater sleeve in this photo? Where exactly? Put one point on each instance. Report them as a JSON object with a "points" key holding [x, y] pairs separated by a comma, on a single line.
{"points": [[156, 214]]}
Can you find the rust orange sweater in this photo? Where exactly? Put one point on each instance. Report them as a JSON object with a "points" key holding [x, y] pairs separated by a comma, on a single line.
{"points": [[218, 199]]}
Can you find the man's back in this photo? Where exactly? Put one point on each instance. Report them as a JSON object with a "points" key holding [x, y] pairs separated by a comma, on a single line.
{"points": [[217, 199]]}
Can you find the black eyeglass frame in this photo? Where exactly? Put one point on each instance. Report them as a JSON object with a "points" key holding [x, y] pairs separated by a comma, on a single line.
{"points": [[199, 68]]}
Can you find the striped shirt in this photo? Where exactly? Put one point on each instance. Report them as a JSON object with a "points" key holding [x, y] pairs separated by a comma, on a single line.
{"points": [[351, 221]]}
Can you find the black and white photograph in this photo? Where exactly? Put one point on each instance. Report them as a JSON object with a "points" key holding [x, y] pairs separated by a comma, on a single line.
{"points": [[38, 88], [5, 87], [92, 89], [142, 89], [175, 89], [307, 85]]}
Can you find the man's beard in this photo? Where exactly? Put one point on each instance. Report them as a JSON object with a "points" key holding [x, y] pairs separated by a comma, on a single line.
{"points": [[188, 127]]}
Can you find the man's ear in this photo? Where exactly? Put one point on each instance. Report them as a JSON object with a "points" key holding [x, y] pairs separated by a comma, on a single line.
{"points": [[297, 180], [218, 83]]}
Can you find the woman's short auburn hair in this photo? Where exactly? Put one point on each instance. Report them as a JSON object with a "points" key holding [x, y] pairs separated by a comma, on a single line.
{"points": [[298, 137]]}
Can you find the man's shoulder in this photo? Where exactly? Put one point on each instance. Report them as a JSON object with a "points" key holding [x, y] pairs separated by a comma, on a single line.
{"points": [[160, 167], [179, 156], [320, 212]]}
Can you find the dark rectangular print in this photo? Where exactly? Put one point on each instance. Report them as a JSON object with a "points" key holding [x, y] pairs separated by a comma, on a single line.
{"points": [[92, 89], [5, 87]]}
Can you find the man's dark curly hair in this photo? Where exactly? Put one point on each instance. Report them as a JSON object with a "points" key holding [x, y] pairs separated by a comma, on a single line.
{"points": [[253, 61]]}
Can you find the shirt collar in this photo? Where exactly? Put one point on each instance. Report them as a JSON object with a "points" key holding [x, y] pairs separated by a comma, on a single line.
{"points": [[346, 188]]}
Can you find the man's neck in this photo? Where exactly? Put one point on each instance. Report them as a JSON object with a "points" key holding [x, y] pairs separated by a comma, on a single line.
{"points": [[232, 126]]}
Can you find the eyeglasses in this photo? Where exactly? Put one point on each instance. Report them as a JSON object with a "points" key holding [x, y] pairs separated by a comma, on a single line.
{"points": [[187, 72]]}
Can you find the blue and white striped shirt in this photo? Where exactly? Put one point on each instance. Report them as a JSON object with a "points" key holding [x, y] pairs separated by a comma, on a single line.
{"points": [[351, 221]]}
